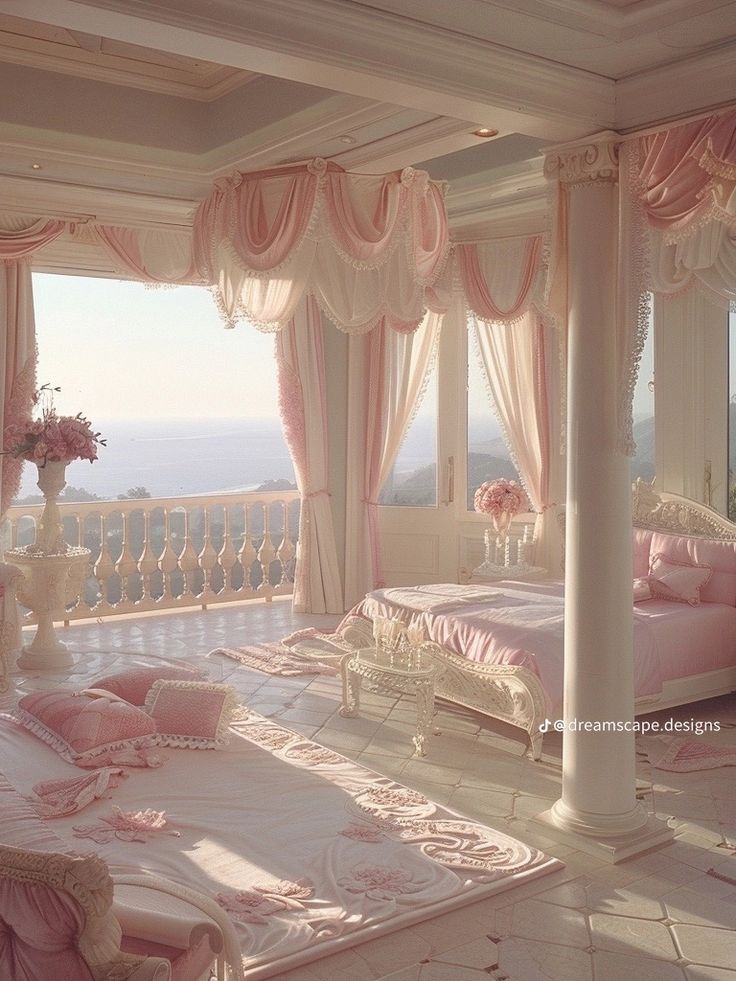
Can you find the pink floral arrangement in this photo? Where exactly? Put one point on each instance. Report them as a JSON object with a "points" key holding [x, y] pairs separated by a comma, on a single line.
{"points": [[52, 437], [500, 497]]}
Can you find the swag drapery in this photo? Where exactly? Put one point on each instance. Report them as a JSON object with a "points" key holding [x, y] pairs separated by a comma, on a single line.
{"points": [[20, 237]]}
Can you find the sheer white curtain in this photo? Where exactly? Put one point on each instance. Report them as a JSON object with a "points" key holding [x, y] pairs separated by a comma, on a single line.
{"points": [[516, 363], [303, 404], [517, 347], [387, 376]]}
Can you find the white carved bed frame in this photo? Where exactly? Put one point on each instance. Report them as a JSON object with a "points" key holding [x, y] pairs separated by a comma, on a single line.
{"points": [[515, 695]]}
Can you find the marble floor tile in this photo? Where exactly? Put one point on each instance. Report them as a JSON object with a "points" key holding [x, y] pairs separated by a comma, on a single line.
{"points": [[628, 935], [481, 954], [706, 945], [530, 960], [590, 921], [615, 967]]}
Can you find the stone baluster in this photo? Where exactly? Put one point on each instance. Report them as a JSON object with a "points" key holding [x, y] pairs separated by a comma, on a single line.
{"points": [[286, 550], [168, 562], [247, 553], [207, 560], [104, 567], [148, 562], [188, 560], [227, 556], [126, 565], [266, 554]]}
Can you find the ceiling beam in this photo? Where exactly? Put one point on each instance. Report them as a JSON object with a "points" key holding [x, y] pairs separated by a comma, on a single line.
{"points": [[357, 50]]}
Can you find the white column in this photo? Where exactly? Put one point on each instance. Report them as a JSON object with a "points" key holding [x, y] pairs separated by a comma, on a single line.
{"points": [[598, 807]]}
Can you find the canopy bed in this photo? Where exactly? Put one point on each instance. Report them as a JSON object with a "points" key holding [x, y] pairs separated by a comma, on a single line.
{"points": [[501, 645]]}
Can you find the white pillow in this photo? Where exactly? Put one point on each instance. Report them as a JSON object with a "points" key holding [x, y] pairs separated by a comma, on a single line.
{"points": [[680, 582]]}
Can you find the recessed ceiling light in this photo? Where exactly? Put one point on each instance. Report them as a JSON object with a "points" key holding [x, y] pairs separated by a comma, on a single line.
{"points": [[348, 139], [485, 134], [35, 166]]}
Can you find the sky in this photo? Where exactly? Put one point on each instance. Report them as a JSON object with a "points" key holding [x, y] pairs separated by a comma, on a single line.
{"points": [[121, 351]]}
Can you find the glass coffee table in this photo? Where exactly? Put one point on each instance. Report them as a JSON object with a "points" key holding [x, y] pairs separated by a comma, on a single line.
{"points": [[384, 675]]}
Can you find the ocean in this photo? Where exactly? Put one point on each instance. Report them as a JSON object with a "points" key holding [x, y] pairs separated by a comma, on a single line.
{"points": [[177, 457]]}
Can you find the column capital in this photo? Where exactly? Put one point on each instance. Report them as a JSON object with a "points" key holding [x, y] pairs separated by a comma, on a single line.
{"points": [[592, 159]]}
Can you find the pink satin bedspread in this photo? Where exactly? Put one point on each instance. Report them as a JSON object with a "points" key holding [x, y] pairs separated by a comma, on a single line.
{"points": [[522, 623]]}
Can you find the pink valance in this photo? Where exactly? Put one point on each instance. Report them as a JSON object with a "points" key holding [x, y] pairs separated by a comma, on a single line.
{"points": [[501, 279], [687, 175], [365, 247], [21, 236]]}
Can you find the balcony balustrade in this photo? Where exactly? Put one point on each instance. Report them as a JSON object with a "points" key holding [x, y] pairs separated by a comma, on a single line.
{"points": [[167, 553]]}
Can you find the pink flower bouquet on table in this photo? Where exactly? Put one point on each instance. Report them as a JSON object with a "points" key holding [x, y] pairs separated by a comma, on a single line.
{"points": [[52, 437], [502, 500]]}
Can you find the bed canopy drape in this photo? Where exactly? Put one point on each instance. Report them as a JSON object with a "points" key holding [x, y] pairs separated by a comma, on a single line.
{"points": [[365, 247]]}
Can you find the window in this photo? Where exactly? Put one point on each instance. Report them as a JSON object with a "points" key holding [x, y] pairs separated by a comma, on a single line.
{"points": [[643, 462], [413, 480], [487, 453]]}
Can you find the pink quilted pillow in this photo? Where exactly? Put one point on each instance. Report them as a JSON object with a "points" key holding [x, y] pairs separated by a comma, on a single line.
{"points": [[191, 714], [135, 684], [80, 727], [677, 581]]}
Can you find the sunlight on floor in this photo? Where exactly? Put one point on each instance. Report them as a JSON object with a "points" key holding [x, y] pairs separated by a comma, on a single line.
{"points": [[659, 917]]}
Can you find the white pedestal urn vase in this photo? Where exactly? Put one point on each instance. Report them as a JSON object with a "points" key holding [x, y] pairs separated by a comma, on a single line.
{"points": [[53, 575], [53, 572], [50, 533]]}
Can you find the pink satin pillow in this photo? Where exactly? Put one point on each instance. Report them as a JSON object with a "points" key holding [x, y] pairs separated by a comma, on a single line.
{"points": [[642, 589], [80, 728], [135, 684], [680, 582], [191, 714]]}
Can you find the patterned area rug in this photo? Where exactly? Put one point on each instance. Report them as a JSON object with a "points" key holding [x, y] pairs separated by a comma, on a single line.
{"points": [[685, 755], [305, 851], [275, 659]]}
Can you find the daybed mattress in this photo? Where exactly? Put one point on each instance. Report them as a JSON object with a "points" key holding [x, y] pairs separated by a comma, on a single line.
{"points": [[518, 623]]}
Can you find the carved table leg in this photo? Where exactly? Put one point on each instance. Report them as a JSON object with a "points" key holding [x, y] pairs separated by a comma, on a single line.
{"points": [[350, 689], [425, 715]]}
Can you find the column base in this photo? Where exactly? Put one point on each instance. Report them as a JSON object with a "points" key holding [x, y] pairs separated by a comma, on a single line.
{"points": [[652, 833]]}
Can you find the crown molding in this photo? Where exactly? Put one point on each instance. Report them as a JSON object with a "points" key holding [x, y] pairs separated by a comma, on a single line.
{"points": [[364, 51], [81, 203], [72, 161], [76, 159], [498, 202], [79, 68], [694, 85], [603, 19], [422, 142]]}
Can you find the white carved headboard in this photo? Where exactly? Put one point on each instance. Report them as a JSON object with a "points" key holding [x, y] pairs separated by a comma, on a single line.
{"points": [[678, 515]]}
